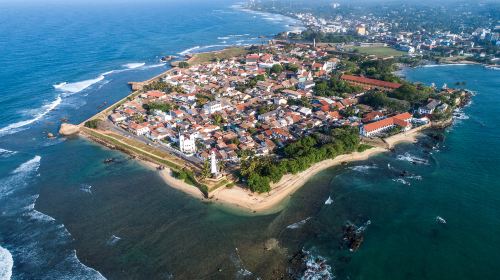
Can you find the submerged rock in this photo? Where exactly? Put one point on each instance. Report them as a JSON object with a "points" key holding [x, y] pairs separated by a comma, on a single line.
{"points": [[271, 243], [69, 129]]}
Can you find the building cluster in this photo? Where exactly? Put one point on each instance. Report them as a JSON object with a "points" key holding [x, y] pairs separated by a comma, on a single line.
{"points": [[472, 44], [246, 105]]}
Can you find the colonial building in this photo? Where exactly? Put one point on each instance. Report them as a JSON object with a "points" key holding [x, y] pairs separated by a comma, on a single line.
{"points": [[401, 120], [187, 144], [369, 83]]}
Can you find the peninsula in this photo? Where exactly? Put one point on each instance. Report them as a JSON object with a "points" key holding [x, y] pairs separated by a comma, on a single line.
{"points": [[247, 127]]}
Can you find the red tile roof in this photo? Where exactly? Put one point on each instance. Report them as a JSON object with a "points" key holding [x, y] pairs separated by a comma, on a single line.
{"points": [[368, 81], [399, 120]]}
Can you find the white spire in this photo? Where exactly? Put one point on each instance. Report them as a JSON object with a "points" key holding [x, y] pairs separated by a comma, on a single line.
{"points": [[213, 164]]}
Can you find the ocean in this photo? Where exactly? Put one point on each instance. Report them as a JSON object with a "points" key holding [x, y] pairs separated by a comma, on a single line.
{"points": [[64, 214], [64, 60]]}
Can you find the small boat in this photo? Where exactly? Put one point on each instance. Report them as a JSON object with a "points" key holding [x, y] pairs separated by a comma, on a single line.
{"points": [[440, 220], [108, 160]]}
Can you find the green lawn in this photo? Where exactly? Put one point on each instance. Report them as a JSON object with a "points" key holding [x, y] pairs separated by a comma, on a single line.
{"points": [[207, 57], [379, 51]]}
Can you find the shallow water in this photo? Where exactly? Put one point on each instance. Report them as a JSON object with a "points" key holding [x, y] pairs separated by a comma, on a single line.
{"points": [[56, 196]]}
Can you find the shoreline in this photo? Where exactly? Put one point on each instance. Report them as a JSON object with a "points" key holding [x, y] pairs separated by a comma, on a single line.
{"points": [[272, 202]]}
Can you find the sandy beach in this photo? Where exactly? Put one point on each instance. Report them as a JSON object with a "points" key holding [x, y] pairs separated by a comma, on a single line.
{"points": [[166, 175], [409, 136], [240, 198], [272, 202]]}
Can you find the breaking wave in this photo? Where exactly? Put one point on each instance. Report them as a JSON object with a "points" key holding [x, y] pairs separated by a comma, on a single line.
{"points": [[6, 264], [86, 188], [190, 50], [316, 268], [402, 181], [42, 111], [444, 65], [198, 49], [71, 88], [113, 240], [413, 159], [134, 65], [6, 153], [363, 168], [298, 224]]}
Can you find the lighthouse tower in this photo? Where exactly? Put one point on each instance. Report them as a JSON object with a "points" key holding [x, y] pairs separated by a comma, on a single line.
{"points": [[213, 165]]}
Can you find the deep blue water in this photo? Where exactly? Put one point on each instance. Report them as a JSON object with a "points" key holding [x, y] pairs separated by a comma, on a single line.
{"points": [[63, 60], [125, 223], [455, 178]]}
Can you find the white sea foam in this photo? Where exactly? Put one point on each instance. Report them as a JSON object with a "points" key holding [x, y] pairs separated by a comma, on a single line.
{"points": [[41, 112], [202, 48], [6, 264], [6, 153], [242, 272], [329, 201], [39, 216], [440, 220], [113, 240], [190, 50], [154, 66], [134, 65], [413, 159], [19, 175], [493, 68], [444, 65], [401, 181], [31, 165], [88, 272], [316, 268], [223, 38], [86, 188], [298, 224], [414, 177], [363, 168], [71, 88], [460, 115]]}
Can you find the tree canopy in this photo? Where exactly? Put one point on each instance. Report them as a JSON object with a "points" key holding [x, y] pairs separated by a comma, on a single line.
{"points": [[298, 156]]}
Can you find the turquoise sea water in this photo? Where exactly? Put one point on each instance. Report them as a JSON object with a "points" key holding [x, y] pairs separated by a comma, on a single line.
{"points": [[56, 196], [456, 178], [63, 59]]}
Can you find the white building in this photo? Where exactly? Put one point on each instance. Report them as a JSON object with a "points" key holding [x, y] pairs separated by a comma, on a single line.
{"points": [[212, 107], [213, 165], [187, 145]]}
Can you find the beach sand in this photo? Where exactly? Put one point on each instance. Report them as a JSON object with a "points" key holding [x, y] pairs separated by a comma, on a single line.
{"points": [[409, 136], [240, 198], [273, 201]]}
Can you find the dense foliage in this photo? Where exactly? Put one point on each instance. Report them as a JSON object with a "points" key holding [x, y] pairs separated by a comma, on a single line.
{"points": [[92, 123], [163, 86], [165, 107], [310, 35], [183, 64], [298, 156], [410, 93], [380, 100], [380, 69], [334, 87]]}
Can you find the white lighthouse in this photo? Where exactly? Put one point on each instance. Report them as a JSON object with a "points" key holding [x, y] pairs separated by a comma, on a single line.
{"points": [[213, 165]]}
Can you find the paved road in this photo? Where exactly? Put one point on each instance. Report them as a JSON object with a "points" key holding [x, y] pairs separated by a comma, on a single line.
{"points": [[160, 145]]}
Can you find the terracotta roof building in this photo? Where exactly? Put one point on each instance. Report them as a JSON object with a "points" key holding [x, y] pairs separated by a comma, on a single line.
{"points": [[369, 83], [374, 128]]}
